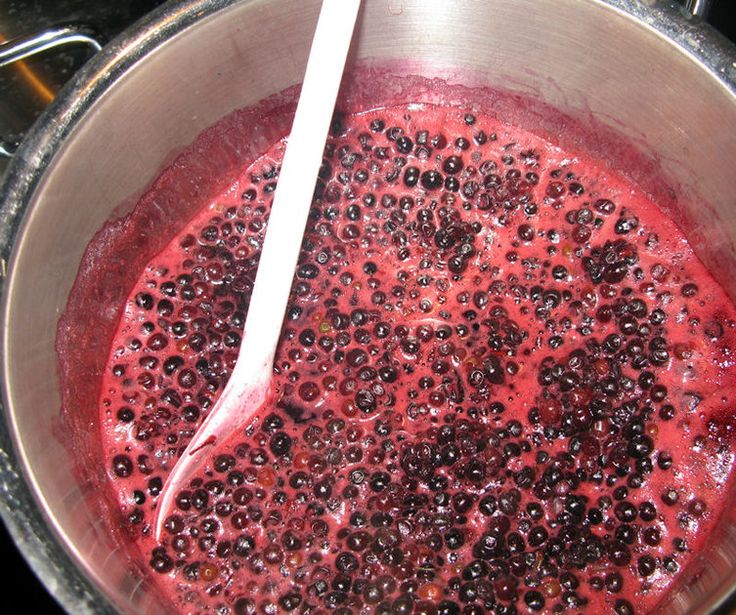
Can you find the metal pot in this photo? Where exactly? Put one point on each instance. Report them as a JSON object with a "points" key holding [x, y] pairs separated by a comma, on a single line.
{"points": [[639, 68]]}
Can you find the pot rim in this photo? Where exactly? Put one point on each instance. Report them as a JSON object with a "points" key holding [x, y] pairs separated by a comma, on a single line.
{"points": [[47, 554]]}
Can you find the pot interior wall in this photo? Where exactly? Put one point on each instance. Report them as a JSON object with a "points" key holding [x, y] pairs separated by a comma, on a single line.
{"points": [[584, 58]]}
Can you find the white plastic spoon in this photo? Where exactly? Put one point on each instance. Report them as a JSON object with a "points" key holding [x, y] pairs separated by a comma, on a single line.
{"points": [[248, 387]]}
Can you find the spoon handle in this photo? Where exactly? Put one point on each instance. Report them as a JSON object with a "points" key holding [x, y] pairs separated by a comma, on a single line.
{"points": [[247, 389], [297, 178]]}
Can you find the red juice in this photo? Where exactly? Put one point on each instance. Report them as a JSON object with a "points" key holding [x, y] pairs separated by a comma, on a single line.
{"points": [[504, 384]]}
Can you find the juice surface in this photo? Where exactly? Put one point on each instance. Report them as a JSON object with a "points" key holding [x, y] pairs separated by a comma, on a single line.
{"points": [[504, 384]]}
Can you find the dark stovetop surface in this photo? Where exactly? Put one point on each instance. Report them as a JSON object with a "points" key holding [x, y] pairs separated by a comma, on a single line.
{"points": [[20, 106]]}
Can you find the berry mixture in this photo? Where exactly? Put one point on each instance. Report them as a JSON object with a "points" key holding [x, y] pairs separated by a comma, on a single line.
{"points": [[504, 384]]}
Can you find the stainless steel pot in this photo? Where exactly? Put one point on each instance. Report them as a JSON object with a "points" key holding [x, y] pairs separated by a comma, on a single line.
{"points": [[639, 68]]}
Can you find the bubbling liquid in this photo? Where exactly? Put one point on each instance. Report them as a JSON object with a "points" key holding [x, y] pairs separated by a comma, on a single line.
{"points": [[503, 385]]}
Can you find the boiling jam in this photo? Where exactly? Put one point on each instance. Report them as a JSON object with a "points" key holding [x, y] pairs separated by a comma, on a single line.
{"points": [[504, 384]]}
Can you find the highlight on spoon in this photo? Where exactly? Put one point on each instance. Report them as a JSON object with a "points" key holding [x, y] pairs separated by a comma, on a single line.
{"points": [[248, 387]]}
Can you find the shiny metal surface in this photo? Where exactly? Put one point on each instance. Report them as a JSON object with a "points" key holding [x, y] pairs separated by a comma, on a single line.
{"points": [[699, 8], [27, 87], [28, 46], [34, 44], [152, 90]]}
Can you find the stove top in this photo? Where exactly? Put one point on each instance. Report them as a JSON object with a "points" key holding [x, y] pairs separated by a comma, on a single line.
{"points": [[23, 95]]}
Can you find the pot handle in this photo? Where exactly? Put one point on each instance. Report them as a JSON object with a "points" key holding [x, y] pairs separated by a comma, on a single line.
{"points": [[698, 8], [33, 44]]}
